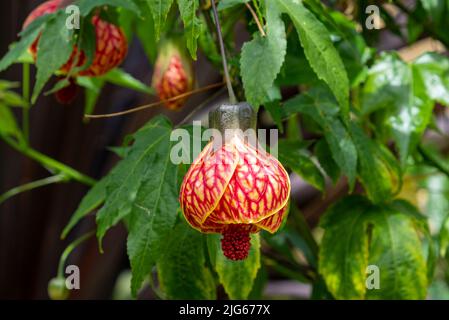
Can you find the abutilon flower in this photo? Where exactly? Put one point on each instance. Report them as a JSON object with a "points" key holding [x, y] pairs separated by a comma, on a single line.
{"points": [[235, 188], [111, 44], [173, 74]]}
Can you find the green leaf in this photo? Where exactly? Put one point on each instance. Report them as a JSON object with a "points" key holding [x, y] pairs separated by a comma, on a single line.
{"points": [[159, 10], [378, 169], [437, 200], [433, 69], [54, 50], [153, 215], [344, 248], [28, 36], [127, 20], [86, 6], [8, 124], [182, 269], [423, 226], [93, 88], [121, 78], [398, 92], [294, 154], [435, 9], [319, 50], [324, 155], [319, 104], [143, 189], [432, 157], [237, 277], [359, 233], [226, 4], [12, 99], [300, 235], [262, 58], [60, 84], [274, 108], [6, 85], [87, 43], [145, 33], [259, 284], [444, 237], [146, 167], [92, 200], [296, 69], [192, 25], [396, 250]]}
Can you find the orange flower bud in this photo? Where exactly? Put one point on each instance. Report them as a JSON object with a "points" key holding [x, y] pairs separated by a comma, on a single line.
{"points": [[235, 189], [173, 74]]}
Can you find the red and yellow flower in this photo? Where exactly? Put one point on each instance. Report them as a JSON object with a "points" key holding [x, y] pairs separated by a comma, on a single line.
{"points": [[235, 189], [111, 44], [173, 74]]}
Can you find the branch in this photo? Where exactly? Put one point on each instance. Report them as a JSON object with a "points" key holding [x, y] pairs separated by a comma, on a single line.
{"points": [[231, 93], [256, 18], [434, 160], [32, 185], [51, 163], [155, 104]]}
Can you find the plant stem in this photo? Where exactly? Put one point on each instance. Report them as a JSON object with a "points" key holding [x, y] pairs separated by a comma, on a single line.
{"points": [[155, 104], [32, 185], [69, 250], [232, 97], [200, 106], [256, 18], [259, 14], [26, 98], [51, 163], [440, 164], [293, 274]]}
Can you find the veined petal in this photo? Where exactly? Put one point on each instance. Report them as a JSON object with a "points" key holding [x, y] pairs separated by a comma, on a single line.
{"points": [[273, 222], [259, 188], [206, 181]]}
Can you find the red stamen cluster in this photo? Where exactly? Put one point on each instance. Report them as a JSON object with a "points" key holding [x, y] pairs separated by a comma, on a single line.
{"points": [[236, 242]]}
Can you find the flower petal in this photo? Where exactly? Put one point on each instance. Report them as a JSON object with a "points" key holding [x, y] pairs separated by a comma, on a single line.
{"points": [[259, 187], [273, 222], [206, 181]]}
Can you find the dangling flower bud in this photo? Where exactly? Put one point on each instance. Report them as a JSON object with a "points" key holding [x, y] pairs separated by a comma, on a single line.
{"points": [[111, 45], [173, 74], [235, 188], [57, 289]]}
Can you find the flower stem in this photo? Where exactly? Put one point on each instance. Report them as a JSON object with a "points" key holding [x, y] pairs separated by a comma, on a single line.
{"points": [[26, 98], [232, 97], [51, 163], [259, 14], [256, 18], [32, 185], [69, 250]]}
